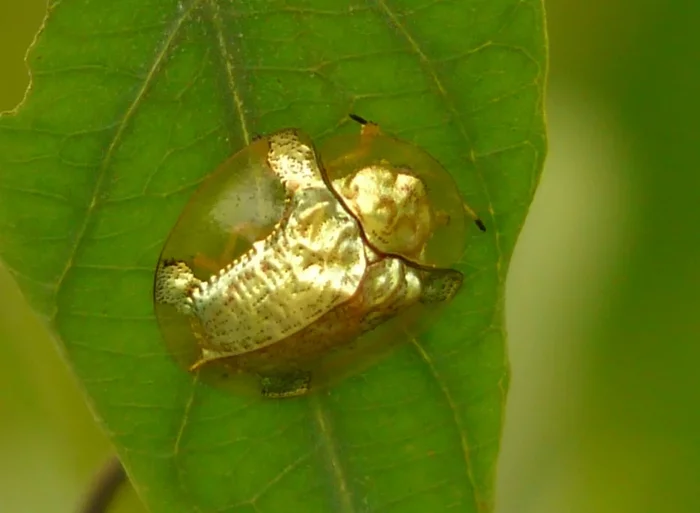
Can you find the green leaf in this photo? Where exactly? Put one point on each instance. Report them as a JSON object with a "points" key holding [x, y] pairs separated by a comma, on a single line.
{"points": [[133, 103]]}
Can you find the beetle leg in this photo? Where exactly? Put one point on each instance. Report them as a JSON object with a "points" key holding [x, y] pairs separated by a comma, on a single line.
{"points": [[475, 217], [368, 132], [292, 384], [231, 242], [369, 128], [440, 285], [214, 265], [202, 261], [247, 231]]}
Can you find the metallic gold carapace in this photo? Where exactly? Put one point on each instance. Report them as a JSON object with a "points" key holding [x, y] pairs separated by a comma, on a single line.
{"points": [[341, 246]]}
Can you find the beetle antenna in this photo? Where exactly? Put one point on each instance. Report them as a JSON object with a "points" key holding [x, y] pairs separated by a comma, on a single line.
{"points": [[359, 119], [475, 217]]}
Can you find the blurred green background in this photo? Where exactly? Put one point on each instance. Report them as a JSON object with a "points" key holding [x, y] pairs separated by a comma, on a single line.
{"points": [[603, 304]]}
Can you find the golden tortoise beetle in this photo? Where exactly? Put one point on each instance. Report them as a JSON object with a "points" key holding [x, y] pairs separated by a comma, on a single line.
{"points": [[281, 257]]}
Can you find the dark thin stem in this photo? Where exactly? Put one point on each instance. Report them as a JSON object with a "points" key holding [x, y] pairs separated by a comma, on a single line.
{"points": [[104, 487]]}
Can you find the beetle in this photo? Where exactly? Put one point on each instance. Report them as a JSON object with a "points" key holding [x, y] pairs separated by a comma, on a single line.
{"points": [[285, 254]]}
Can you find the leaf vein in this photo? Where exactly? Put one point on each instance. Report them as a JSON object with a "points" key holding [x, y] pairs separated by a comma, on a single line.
{"points": [[330, 451], [463, 439], [116, 140], [432, 72], [230, 69]]}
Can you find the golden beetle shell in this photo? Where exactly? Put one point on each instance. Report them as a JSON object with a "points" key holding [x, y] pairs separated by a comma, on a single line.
{"points": [[282, 258], [432, 230]]}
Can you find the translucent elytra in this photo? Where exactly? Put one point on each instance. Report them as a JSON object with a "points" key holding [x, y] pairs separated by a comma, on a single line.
{"points": [[345, 155], [239, 203]]}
